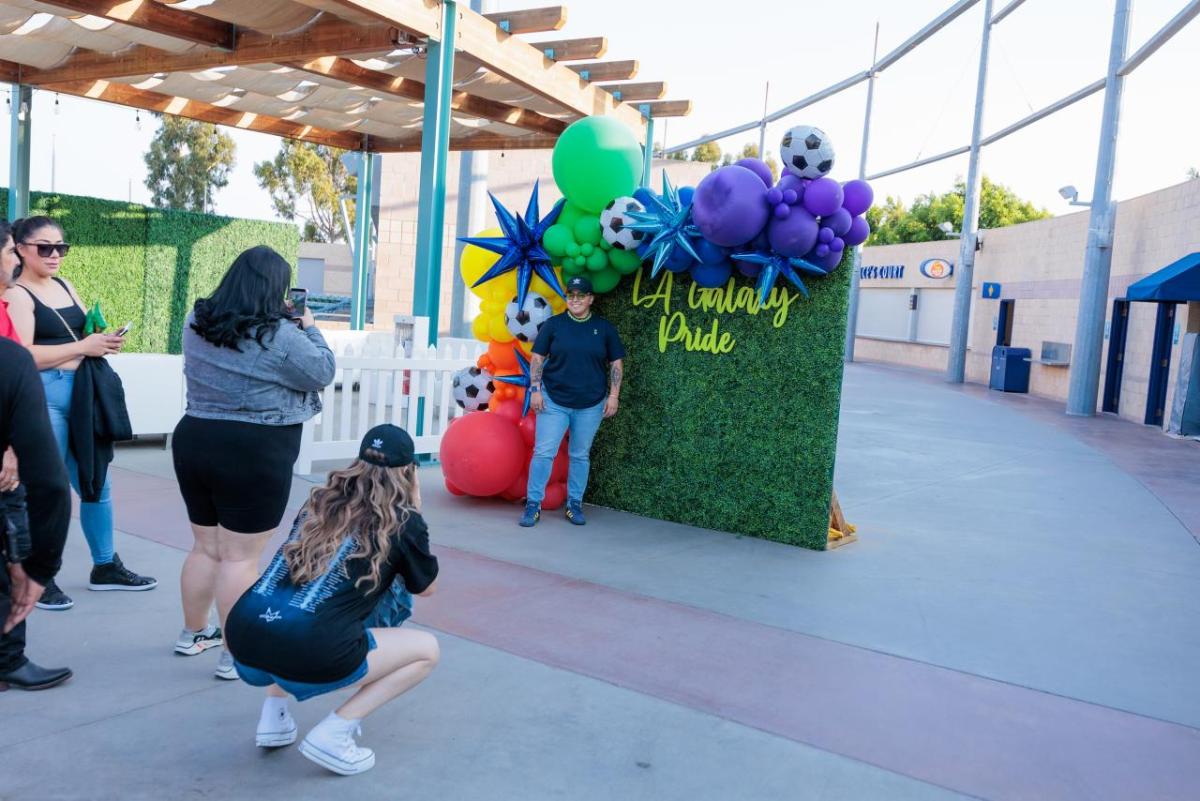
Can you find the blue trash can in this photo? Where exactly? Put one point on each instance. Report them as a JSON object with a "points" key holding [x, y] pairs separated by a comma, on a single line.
{"points": [[1010, 369]]}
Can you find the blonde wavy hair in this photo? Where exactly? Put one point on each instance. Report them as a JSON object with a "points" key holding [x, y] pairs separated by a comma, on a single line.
{"points": [[367, 501]]}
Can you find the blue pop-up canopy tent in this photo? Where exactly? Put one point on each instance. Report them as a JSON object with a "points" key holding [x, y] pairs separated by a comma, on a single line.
{"points": [[1178, 282]]}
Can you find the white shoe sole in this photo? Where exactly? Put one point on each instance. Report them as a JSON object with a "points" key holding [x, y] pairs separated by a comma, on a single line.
{"points": [[276, 739], [120, 587], [338, 766], [197, 647], [49, 608], [227, 675]]}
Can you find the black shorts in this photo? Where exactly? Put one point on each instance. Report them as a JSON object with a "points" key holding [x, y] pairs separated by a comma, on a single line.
{"points": [[234, 474]]}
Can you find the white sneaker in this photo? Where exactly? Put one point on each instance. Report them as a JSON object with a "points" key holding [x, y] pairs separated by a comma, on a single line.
{"points": [[276, 726], [331, 745], [191, 642], [225, 668]]}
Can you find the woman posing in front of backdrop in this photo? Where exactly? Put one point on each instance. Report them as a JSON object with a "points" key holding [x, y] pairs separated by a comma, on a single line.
{"points": [[577, 366], [49, 317], [300, 630], [253, 374]]}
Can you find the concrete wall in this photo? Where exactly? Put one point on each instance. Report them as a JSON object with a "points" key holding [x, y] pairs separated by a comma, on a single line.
{"points": [[332, 261], [510, 177], [1039, 264]]}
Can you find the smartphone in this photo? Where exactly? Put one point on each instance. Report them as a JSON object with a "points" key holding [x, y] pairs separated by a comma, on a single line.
{"points": [[123, 330], [299, 299]]}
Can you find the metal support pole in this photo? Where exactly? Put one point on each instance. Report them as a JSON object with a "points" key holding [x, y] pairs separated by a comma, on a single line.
{"points": [[435, 151], [18, 155], [1084, 379], [762, 128], [361, 249], [852, 306], [649, 160], [960, 328]]}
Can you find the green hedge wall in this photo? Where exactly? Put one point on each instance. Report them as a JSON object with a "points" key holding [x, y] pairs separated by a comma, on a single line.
{"points": [[149, 265], [742, 441]]}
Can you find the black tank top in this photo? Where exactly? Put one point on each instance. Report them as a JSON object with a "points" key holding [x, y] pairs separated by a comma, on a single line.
{"points": [[47, 328]]}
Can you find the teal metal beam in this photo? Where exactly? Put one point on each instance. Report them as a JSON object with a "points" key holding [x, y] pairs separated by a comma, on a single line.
{"points": [[359, 286], [649, 153], [21, 101], [435, 152]]}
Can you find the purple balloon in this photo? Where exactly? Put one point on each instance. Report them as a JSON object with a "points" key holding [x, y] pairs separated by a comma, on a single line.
{"points": [[711, 276], [793, 236], [783, 211], [759, 244], [839, 221], [748, 269], [730, 206], [858, 233], [790, 196], [822, 250], [758, 167], [825, 235], [823, 196], [774, 196], [858, 197], [828, 262], [837, 244]]}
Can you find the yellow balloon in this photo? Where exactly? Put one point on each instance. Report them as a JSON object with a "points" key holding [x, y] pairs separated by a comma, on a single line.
{"points": [[490, 306], [557, 304], [476, 261], [479, 327], [501, 290], [498, 330], [542, 288]]}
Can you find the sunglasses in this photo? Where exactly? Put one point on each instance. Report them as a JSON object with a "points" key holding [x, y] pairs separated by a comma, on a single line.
{"points": [[575, 296], [44, 250]]}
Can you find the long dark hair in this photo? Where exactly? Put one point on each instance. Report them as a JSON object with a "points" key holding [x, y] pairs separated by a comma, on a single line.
{"points": [[25, 226], [248, 303]]}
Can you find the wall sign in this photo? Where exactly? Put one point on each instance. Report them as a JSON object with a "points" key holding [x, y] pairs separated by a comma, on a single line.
{"points": [[895, 271], [990, 291], [937, 268]]}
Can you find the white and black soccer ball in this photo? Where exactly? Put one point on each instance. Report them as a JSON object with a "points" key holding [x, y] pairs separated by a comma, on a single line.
{"points": [[525, 322], [807, 152], [613, 222], [473, 388]]}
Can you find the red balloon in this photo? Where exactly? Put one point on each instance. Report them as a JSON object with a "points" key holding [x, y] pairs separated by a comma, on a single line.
{"points": [[528, 427], [516, 490], [556, 495], [453, 490], [558, 471], [507, 409], [483, 454]]}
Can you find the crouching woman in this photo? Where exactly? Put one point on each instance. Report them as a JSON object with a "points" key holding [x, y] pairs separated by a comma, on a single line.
{"points": [[300, 629]]}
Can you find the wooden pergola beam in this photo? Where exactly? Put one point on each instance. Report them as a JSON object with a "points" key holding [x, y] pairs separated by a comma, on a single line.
{"points": [[158, 18], [599, 71], [573, 49], [507, 56], [483, 141], [530, 20], [10, 72], [632, 92], [329, 35], [669, 108], [461, 102], [127, 95]]}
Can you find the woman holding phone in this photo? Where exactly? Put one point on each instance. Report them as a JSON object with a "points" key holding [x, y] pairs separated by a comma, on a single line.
{"points": [[253, 373], [49, 317]]}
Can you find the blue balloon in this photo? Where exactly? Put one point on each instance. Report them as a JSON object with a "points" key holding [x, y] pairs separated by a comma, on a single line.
{"points": [[710, 253], [679, 261], [686, 193], [645, 196], [711, 276]]}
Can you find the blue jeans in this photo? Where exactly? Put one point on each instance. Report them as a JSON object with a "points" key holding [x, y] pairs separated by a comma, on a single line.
{"points": [[552, 423], [95, 518]]}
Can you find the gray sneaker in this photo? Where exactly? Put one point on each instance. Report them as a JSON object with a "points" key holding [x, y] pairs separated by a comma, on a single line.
{"points": [[225, 668], [191, 642]]}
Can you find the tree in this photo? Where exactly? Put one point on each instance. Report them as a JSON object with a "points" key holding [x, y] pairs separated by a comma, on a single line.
{"points": [[679, 155], [1193, 173], [750, 151], [187, 162], [308, 181], [709, 152], [893, 223]]}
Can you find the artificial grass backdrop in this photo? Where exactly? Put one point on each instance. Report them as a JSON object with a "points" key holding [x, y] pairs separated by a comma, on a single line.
{"points": [[149, 265], [742, 441]]}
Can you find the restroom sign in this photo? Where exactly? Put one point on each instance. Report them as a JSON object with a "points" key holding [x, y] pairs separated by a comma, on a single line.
{"points": [[990, 291]]}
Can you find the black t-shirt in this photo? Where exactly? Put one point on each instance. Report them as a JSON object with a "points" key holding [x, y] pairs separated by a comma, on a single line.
{"points": [[314, 632], [577, 356]]}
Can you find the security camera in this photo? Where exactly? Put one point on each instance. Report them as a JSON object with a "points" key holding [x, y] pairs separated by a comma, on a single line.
{"points": [[1069, 192], [946, 228]]}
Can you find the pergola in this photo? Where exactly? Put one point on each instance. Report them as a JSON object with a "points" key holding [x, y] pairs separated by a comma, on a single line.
{"points": [[374, 76]]}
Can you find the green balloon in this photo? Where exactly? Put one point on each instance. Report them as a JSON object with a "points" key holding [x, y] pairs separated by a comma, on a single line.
{"points": [[572, 249], [580, 261], [586, 248], [587, 230], [604, 243], [569, 215], [595, 160], [569, 267], [598, 260], [556, 239], [624, 261], [604, 280]]}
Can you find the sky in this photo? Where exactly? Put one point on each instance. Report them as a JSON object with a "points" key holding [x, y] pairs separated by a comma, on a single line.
{"points": [[723, 58]]}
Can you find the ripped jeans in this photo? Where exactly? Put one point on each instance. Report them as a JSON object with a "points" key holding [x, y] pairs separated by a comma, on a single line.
{"points": [[394, 607]]}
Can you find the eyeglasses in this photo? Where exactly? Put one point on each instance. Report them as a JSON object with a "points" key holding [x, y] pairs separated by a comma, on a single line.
{"points": [[576, 296], [44, 250]]}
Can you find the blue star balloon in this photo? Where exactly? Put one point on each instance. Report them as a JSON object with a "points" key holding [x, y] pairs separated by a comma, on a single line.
{"points": [[773, 266], [522, 380], [520, 248], [670, 221]]}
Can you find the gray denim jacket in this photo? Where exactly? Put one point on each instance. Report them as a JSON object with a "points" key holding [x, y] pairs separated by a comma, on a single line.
{"points": [[276, 385]]}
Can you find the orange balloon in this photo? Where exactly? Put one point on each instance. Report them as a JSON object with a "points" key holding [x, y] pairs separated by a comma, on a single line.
{"points": [[502, 356]]}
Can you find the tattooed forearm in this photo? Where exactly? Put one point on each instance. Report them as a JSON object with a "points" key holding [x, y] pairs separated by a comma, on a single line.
{"points": [[536, 363], [615, 372]]}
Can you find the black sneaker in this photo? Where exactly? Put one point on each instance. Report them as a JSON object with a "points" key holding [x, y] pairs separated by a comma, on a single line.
{"points": [[54, 599], [115, 576]]}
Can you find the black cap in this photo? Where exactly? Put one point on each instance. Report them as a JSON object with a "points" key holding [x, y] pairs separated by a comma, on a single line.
{"points": [[579, 284], [387, 445]]}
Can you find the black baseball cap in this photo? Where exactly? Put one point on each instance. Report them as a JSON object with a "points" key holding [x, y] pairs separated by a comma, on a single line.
{"points": [[387, 445], [579, 284]]}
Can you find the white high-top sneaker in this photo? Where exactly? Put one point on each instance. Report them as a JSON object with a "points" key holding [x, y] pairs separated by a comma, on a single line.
{"points": [[331, 745], [276, 727]]}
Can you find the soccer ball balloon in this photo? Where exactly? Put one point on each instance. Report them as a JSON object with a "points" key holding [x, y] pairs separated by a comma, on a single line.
{"points": [[807, 152], [473, 388], [613, 222], [525, 322]]}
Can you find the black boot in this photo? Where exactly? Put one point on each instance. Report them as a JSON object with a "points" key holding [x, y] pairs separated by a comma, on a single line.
{"points": [[115, 576], [31, 676]]}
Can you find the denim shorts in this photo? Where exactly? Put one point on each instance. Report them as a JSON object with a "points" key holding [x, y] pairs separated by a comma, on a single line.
{"points": [[303, 690]]}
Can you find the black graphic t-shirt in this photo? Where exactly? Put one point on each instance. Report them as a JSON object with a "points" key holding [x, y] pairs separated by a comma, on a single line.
{"points": [[577, 356], [314, 632]]}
